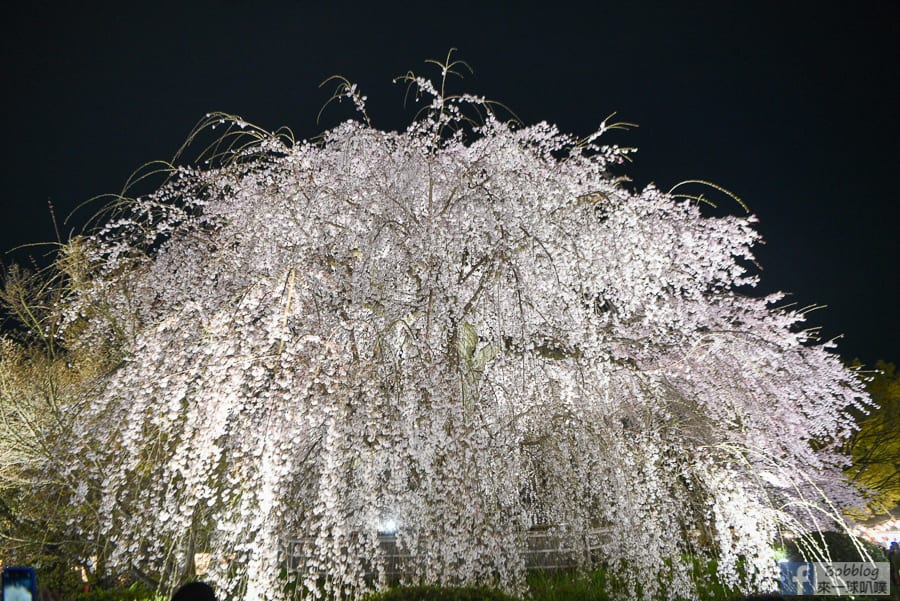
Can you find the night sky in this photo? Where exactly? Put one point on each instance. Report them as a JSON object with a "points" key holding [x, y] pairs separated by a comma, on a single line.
{"points": [[791, 105]]}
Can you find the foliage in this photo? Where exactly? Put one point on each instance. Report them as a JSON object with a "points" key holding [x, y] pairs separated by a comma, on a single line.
{"points": [[544, 586], [875, 447], [41, 385], [598, 585], [834, 546], [470, 328], [436, 593], [135, 592]]}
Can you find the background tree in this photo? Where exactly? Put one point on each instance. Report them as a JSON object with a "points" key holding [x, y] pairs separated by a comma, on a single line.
{"points": [[875, 448], [470, 328], [42, 384]]}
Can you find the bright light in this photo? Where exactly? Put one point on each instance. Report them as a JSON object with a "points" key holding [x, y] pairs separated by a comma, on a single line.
{"points": [[780, 553], [388, 526], [202, 563]]}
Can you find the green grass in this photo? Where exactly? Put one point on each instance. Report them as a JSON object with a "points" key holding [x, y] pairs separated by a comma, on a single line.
{"points": [[559, 586]]}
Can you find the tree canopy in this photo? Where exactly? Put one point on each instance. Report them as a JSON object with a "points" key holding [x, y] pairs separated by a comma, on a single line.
{"points": [[875, 447], [471, 328]]}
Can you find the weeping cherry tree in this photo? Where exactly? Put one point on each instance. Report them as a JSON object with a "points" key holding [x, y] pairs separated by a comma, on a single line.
{"points": [[469, 328]]}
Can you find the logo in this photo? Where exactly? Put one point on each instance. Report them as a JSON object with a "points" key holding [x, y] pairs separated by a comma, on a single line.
{"points": [[834, 578], [797, 578]]}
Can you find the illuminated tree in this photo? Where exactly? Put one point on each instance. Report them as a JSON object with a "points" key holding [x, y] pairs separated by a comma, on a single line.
{"points": [[875, 447], [469, 328], [41, 385]]}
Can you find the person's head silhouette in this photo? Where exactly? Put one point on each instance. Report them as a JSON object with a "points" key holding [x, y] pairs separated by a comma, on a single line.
{"points": [[195, 591]]}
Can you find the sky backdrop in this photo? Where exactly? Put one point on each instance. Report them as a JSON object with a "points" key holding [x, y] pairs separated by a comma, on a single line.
{"points": [[793, 106]]}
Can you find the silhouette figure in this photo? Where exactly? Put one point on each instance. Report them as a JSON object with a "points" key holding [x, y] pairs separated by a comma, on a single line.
{"points": [[195, 591], [893, 557]]}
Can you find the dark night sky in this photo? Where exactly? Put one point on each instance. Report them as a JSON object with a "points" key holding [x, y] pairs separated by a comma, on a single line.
{"points": [[791, 105]]}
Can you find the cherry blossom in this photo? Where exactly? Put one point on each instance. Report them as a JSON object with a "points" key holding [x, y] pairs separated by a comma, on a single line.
{"points": [[469, 330]]}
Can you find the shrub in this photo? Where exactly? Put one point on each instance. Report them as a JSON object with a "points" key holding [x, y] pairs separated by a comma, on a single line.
{"points": [[135, 592], [839, 546], [436, 593]]}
